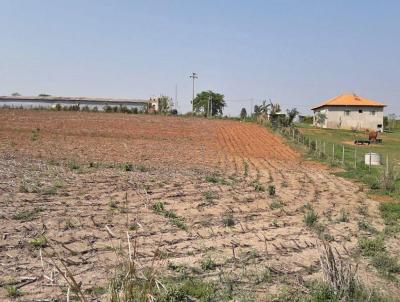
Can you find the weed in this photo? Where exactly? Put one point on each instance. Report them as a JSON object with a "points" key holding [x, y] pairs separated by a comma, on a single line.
{"points": [[328, 237], [371, 246], [343, 216], [390, 212], [365, 226], [38, 242], [142, 168], [179, 222], [275, 223], [170, 214], [28, 215], [12, 291], [176, 267], [158, 207], [174, 219], [73, 165], [257, 186], [35, 135], [208, 264], [386, 264], [212, 179], [133, 227], [276, 204], [388, 180], [96, 290], [210, 196], [392, 229], [113, 204], [271, 190], [363, 209], [127, 167], [306, 207], [228, 220], [189, 289], [246, 168], [49, 191], [310, 217], [23, 188]]}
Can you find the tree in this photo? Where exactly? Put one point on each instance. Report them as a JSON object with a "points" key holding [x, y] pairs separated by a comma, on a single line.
{"points": [[320, 118], [208, 99], [15, 94], [263, 108], [391, 121], [243, 113], [44, 95], [291, 115], [164, 104]]}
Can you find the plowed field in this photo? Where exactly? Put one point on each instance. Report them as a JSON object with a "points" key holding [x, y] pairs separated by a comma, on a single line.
{"points": [[84, 181]]}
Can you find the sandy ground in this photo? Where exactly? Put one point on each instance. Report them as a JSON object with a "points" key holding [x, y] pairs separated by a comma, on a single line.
{"points": [[61, 177]]}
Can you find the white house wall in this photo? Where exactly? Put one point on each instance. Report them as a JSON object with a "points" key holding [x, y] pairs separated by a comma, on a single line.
{"points": [[337, 118]]}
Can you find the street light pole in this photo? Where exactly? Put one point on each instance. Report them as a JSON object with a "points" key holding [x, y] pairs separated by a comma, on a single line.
{"points": [[193, 76]]}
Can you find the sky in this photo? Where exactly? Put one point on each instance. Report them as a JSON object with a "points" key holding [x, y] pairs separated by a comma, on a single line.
{"points": [[296, 53]]}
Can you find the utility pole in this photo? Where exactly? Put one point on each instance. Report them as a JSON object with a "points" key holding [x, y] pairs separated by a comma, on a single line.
{"points": [[176, 97], [193, 77]]}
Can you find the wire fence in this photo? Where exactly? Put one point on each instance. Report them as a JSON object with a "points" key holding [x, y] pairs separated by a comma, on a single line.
{"points": [[345, 155]]}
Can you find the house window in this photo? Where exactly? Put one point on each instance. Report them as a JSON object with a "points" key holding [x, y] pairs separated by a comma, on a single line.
{"points": [[373, 112], [347, 112], [360, 111]]}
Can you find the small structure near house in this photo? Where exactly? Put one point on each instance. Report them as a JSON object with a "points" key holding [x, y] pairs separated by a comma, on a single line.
{"points": [[372, 159], [349, 111]]}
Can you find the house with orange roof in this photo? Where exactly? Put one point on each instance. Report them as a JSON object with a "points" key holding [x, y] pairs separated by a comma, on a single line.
{"points": [[349, 111]]}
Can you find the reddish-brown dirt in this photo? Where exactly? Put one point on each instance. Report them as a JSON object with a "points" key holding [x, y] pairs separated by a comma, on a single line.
{"points": [[61, 177], [126, 138]]}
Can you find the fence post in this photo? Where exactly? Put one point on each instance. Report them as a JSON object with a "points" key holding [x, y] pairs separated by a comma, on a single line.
{"points": [[333, 153], [387, 165], [355, 158], [370, 161], [343, 156], [324, 148]]}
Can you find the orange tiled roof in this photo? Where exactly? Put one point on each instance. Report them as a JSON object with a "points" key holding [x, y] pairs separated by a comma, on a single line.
{"points": [[349, 100]]}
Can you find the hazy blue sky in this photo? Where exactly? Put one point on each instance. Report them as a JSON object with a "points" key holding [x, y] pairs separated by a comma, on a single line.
{"points": [[295, 52]]}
